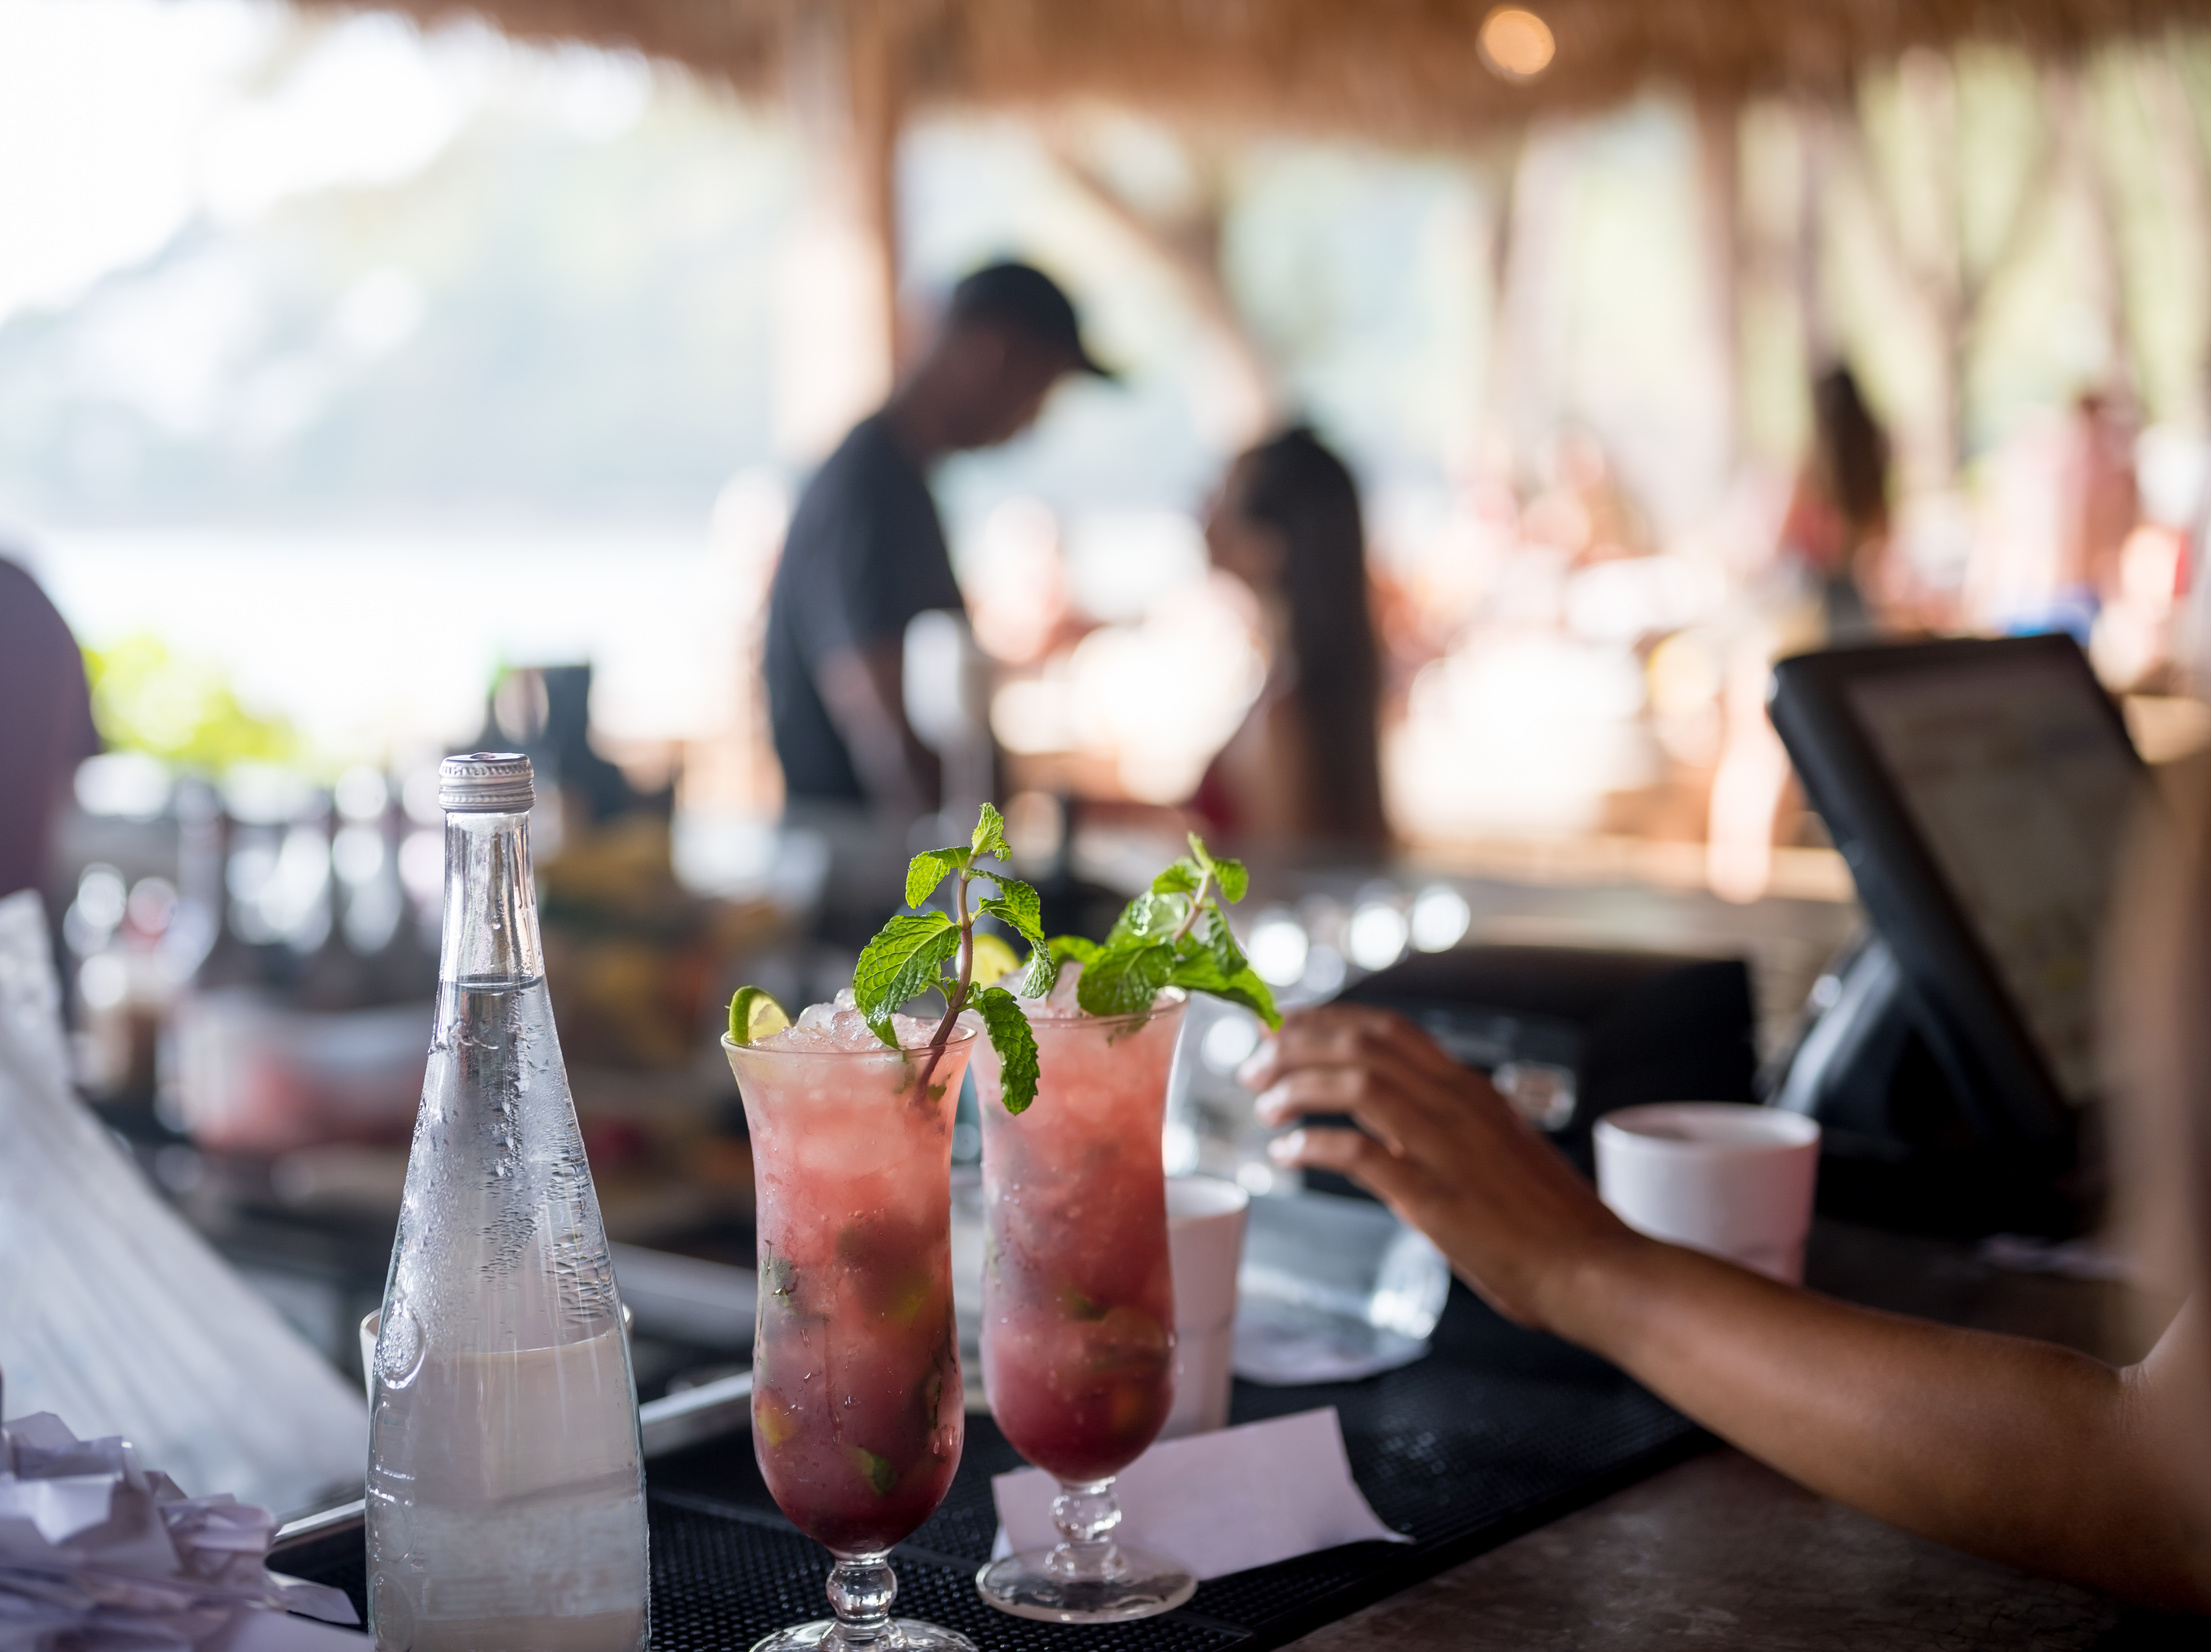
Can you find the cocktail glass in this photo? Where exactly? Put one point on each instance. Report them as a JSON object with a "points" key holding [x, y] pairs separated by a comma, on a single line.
{"points": [[1079, 1303], [857, 1420]]}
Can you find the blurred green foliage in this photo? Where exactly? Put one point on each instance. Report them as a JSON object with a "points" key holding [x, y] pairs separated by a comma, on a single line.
{"points": [[146, 698]]}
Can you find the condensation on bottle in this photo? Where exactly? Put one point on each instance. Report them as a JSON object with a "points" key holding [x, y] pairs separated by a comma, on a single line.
{"points": [[506, 1497]]}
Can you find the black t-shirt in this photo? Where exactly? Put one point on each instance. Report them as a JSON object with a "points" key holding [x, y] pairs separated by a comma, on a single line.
{"points": [[865, 553]]}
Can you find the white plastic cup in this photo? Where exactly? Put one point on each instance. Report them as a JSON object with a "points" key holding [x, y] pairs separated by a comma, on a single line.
{"points": [[1732, 1180], [1205, 1243]]}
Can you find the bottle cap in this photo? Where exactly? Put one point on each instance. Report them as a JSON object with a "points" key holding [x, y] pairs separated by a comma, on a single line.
{"points": [[486, 782]]}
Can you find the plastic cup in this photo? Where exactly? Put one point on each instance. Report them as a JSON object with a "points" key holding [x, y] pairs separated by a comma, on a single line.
{"points": [[1205, 1240], [1731, 1180]]}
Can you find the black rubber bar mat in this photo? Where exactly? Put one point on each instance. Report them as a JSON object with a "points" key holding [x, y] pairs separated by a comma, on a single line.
{"points": [[1498, 1431]]}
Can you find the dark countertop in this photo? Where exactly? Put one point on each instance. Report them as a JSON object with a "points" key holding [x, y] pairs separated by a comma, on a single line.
{"points": [[1722, 1552]]}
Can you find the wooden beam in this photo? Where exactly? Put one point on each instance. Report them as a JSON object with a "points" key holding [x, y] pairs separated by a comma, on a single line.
{"points": [[839, 338]]}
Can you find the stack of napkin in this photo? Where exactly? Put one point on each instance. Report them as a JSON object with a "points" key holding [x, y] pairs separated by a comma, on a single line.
{"points": [[98, 1554]]}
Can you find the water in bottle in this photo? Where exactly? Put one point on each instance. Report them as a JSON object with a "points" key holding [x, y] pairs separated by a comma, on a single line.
{"points": [[506, 1507]]}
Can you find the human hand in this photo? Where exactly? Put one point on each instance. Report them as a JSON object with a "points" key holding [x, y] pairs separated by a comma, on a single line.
{"points": [[1440, 1147]]}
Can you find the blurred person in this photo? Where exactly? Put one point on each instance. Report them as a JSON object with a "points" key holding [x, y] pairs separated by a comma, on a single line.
{"points": [[1305, 767], [2018, 1450], [1833, 575], [2099, 503], [1837, 528], [865, 551], [45, 726]]}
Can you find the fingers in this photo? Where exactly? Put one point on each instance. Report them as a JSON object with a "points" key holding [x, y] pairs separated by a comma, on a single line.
{"points": [[1390, 1178], [1343, 1034], [1351, 1090]]}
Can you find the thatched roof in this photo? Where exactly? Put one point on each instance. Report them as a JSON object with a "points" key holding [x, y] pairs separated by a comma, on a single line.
{"points": [[1407, 69]]}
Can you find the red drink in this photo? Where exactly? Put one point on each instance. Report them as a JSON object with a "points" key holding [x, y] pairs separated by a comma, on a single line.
{"points": [[857, 1420], [1078, 1299]]}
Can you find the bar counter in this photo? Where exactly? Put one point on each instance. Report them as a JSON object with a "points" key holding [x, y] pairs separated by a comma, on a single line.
{"points": [[1721, 1552]]}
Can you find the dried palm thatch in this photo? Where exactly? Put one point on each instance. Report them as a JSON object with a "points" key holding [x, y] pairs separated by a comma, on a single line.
{"points": [[1402, 69]]}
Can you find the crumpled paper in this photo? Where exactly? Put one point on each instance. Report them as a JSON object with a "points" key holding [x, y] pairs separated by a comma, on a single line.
{"points": [[99, 1554]]}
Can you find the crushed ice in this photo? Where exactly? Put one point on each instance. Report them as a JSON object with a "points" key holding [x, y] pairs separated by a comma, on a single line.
{"points": [[840, 1026]]}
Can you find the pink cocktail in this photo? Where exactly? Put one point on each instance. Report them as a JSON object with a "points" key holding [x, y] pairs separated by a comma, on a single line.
{"points": [[1078, 1300], [857, 1420]]}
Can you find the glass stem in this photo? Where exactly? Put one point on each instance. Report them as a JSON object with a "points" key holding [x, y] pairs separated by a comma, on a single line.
{"points": [[861, 1589], [1087, 1514]]}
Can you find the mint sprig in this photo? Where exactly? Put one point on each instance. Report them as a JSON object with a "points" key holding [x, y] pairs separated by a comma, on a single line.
{"points": [[1175, 934], [909, 954]]}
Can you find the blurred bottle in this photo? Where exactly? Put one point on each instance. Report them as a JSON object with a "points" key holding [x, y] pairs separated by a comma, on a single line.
{"points": [[505, 1481]]}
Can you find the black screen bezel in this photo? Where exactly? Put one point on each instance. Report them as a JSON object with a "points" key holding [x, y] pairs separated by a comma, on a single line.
{"points": [[1971, 1018]]}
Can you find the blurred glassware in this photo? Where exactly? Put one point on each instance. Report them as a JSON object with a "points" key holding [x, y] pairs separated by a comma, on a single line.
{"points": [[245, 1073], [1375, 937], [1278, 946], [1440, 918], [1333, 1289], [1539, 1091]]}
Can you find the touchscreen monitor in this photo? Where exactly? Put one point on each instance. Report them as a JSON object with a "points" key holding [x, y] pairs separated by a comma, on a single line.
{"points": [[1980, 790]]}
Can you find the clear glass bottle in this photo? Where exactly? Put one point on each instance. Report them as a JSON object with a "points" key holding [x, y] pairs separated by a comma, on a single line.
{"points": [[506, 1498]]}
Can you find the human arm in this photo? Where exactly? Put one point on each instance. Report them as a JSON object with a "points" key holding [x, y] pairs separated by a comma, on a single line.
{"points": [[863, 687], [2018, 1450]]}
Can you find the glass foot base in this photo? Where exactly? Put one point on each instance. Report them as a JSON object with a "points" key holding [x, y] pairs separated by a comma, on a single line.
{"points": [[903, 1635], [1138, 1585]]}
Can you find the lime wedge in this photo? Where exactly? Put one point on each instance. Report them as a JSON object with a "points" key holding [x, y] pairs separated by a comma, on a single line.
{"points": [[753, 1015], [993, 958]]}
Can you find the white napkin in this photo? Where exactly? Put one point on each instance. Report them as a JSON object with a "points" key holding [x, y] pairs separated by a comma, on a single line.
{"points": [[1219, 1502]]}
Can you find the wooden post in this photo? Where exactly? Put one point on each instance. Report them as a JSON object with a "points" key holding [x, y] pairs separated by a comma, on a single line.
{"points": [[1248, 396], [2187, 195], [838, 344], [1535, 309], [1719, 194]]}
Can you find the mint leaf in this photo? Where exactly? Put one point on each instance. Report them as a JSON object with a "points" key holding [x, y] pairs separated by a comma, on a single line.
{"points": [[1011, 1037], [1018, 907], [1076, 947], [1124, 980], [930, 868], [1220, 942], [990, 834], [1230, 878], [1148, 916], [902, 960], [1180, 878], [877, 1470], [1202, 972], [1042, 975]]}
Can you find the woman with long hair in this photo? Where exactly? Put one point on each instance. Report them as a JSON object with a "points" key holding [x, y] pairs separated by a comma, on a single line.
{"points": [[1305, 766]]}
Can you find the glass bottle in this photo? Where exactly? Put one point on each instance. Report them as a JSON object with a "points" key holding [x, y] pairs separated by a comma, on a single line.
{"points": [[506, 1504]]}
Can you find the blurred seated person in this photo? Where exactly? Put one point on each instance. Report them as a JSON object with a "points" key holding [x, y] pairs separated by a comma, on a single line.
{"points": [[865, 551], [45, 726], [1305, 767], [2021, 1451]]}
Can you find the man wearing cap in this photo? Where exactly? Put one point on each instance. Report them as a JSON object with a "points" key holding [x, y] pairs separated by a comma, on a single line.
{"points": [[865, 552]]}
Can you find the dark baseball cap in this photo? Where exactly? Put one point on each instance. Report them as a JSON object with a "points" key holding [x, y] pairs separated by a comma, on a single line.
{"points": [[1024, 296]]}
